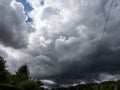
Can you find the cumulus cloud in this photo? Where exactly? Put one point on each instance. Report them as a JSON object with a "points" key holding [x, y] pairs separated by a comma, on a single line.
{"points": [[63, 46], [13, 29]]}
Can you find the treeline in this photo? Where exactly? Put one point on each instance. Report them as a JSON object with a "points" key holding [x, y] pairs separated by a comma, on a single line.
{"points": [[21, 80], [108, 85]]}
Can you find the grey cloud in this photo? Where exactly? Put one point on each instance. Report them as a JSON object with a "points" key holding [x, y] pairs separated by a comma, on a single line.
{"points": [[75, 46], [48, 12], [13, 29]]}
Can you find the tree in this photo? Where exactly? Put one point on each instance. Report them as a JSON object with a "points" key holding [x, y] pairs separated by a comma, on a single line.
{"points": [[23, 70], [22, 74], [5, 76], [24, 81], [19, 81], [2, 64]]}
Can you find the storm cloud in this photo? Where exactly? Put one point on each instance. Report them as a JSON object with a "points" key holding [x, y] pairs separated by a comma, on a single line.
{"points": [[63, 44], [13, 29]]}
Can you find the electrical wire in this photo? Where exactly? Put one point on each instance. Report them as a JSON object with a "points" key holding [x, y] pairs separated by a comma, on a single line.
{"points": [[104, 29]]}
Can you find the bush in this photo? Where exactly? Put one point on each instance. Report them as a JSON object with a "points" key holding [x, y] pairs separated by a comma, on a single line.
{"points": [[9, 87], [29, 85]]}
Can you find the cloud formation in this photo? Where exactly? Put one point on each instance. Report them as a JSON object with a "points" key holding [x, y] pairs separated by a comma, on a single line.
{"points": [[13, 29], [64, 41]]}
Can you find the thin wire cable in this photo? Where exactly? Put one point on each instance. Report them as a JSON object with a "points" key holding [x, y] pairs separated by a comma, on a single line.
{"points": [[104, 29]]}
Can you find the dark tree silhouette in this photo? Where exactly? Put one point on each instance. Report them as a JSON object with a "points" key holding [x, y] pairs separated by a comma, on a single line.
{"points": [[5, 76], [2, 64], [22, 74]]}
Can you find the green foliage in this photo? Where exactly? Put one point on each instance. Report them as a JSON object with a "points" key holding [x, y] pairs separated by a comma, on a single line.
{"points": [[2, 64], [118, 85], [116, 88], [109, 85], [9, 87], [5, 76], [29, 85], [19, 81], [23, 72], [21, 75]]}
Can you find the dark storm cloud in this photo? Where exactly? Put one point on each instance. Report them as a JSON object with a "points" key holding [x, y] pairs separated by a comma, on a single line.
{"points": [[72, 53], [106, 62], [13, 29]]}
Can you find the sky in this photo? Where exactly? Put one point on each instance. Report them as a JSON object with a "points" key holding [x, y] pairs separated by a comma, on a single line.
{"points": [[58, 39]]}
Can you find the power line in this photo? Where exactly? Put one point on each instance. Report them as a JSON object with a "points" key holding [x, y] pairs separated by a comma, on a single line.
{"points": [[104, 29]]}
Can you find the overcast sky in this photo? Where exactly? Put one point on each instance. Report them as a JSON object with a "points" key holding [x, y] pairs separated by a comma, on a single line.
{"points": [[58, 39]]}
